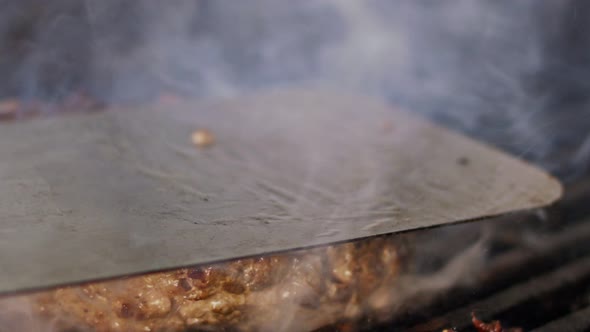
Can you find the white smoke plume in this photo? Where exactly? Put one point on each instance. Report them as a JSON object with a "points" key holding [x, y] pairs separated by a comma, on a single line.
{"points": [[481, 67]]}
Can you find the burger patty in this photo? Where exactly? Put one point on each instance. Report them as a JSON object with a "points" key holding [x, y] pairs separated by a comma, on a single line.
{"points": [[295, 291]]}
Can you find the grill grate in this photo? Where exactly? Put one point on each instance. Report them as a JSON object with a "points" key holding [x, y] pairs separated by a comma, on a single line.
{"points": [[541, 298], [577, 321], [542, 287]]}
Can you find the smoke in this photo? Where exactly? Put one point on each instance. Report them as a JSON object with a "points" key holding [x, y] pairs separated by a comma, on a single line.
{"points": [[485, 68], [17, 314], [473, 66]]}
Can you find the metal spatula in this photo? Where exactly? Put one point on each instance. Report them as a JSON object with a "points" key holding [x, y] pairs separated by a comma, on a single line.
{"points": [[126, 191]]}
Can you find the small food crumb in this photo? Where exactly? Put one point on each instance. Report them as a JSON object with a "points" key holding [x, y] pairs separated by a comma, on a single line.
{"points": [[203, 138]]}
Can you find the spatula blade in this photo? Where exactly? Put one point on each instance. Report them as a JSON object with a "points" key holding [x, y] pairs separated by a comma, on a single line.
{"points": [[127, 191]]}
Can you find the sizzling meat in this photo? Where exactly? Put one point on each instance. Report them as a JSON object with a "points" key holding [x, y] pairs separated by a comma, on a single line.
{"points": [[287, 292]]}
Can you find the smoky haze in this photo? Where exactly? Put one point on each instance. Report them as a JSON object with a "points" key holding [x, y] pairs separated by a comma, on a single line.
{"points": [[487, 68]]}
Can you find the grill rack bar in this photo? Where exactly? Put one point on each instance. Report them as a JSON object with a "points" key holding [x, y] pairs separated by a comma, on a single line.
{"points": [[549, 281], [577, 321], [570, 276]]}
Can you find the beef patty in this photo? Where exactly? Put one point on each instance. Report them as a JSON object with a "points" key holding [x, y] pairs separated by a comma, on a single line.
{"points": [[294, 291]]}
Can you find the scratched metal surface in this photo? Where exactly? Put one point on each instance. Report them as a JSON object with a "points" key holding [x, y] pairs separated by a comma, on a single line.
{"points": [[125, 191]]}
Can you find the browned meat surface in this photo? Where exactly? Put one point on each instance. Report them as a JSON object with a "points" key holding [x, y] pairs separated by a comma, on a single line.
{"points": [[296, 291]]}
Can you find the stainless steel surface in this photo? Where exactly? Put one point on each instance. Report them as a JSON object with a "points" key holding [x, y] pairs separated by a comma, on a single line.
{"points": [[126, 191]]}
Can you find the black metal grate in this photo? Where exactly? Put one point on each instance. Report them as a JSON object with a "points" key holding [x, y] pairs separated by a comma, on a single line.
{"points": [[543, 287]]}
